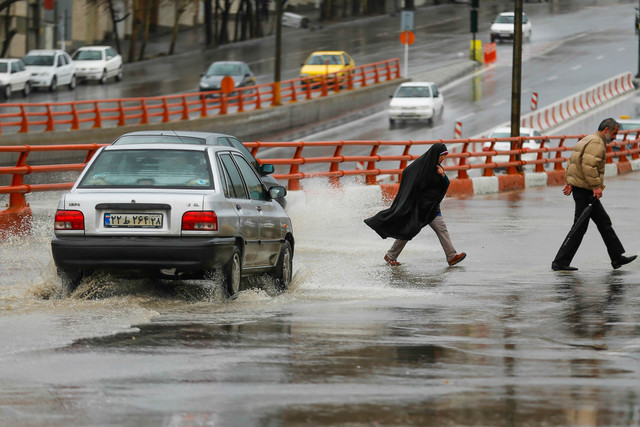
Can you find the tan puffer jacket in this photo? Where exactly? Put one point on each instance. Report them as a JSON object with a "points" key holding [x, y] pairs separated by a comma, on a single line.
{"points": [[586, 165]]}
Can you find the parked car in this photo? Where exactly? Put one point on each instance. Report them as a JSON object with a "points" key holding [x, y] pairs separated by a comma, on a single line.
{"points": [[50, 69], [416, 101], [174, 211], [97, 63], [239, 71], [627, 123], [13, 77], [503, 27], [200, 138], [321, 63], [505, 132]]}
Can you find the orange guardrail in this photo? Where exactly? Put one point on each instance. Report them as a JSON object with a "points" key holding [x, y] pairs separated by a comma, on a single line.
{"points": [[333, 160], [57, 116]]}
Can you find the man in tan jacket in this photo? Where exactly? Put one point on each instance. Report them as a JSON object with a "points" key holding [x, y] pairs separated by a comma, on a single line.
{"points": [[585, 176]]}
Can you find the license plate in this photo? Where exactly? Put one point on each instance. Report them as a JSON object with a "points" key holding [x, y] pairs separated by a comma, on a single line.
{"points": [[132, 220]]}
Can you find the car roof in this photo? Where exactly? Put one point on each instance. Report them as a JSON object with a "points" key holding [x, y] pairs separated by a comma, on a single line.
{"points": [[508, 129], [179, 147], [44, 51], [9, 59], [328, 52], [227, 62], [413, 84], [93, 47], [178, 133]]}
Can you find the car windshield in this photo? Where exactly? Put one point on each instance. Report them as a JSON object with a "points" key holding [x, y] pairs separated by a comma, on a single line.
{"points": [[149, 169], [4, 67], [222, 69], [502, 19], [629, 126], [324, 59], [162, 139], [413, 92], [87, 55], [43, 60]]}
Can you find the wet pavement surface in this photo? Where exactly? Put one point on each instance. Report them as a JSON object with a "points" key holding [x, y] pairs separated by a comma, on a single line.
{"points": [[498, 340]]}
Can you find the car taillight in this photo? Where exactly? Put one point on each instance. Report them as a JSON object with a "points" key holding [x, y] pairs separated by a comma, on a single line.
{"points": [[69, 220], [200, 221]]}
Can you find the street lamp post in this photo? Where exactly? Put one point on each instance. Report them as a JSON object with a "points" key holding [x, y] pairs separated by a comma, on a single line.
{"points": [[516, 76], [276, 79]]}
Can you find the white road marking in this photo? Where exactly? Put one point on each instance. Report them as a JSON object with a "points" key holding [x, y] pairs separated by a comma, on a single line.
{"points": [[576, 67], [552, 78], [502, 101]]}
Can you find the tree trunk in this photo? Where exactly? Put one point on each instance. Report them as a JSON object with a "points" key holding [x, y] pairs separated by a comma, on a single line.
{"points": [[208, 34], [114, 22], [147, 21], [180, 9], [135, 6]]}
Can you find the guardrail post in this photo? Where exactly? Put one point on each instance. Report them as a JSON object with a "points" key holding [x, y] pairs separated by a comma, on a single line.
{"points": [[240, 101], [371, 165], [558, 165], [121, 117], [223, 103], [165, 111], [324, 86], [294, 183], [376, 74], [307, 88], [388, 69], [50, 124], [294, 96], [350, 79], [462, 173], [258, 99], [98, 118], [487, 160], [145, 114], [540, 166], [635, 155], [17, 217], [336, 82], [334, 181], [363, 75], [24, 126], [75, 122], [203, 98], [185, 108], [397, 67]]}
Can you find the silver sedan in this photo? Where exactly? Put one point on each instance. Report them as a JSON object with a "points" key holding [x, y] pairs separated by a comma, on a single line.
{"points": [[178, 211]]}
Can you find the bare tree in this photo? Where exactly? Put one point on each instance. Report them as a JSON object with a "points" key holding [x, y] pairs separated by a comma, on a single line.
{"points": [[9, 31], [180, 8], [148, 5], [135, 27]]}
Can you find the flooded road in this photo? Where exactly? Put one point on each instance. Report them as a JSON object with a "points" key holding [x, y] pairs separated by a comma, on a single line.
{"points": [[497, 340]]}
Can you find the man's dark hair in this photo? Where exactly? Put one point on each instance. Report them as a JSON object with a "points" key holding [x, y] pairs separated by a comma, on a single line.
{"points": [[608, 123]]}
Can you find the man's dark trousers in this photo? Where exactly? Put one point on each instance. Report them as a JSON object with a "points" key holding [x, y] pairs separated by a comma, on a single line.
{"points": [[581, 197]]}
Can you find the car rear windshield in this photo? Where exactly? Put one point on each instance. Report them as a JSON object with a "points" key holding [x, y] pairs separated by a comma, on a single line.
{"points": [[629, 126], [219, 69], [149, 169], [42, 60], [324, 59], [158, 139], [87, 55], [413, 92]]}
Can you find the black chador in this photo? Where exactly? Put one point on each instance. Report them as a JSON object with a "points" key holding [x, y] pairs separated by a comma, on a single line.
{"points": [[418, 200]]}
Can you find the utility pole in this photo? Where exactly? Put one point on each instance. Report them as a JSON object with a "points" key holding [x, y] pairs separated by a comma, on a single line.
{"points": [[638, 33], [276, 78], [516, 77]]}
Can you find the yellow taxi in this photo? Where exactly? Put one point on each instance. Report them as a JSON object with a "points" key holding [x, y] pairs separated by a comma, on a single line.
{"points": [[321, 63]]}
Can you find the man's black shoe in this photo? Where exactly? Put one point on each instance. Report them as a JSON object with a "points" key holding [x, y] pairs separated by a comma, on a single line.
{"points": [[558, 267], [622, 261]]}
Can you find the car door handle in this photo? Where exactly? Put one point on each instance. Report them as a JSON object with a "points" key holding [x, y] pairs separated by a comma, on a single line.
{"points": [[238, 207], [259, 208]]}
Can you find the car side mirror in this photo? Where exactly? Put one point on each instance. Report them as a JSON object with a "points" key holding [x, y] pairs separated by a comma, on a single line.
{"points": [[267, 169], [277, 192]]}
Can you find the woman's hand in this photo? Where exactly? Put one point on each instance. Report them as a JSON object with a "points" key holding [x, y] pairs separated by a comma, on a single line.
{"points": [[440, 171]]}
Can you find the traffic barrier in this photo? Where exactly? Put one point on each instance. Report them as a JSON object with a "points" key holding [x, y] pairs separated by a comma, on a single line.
{"points": [[366, 160], [61, 116], [490, 52], [534, 101], [577, 104]]}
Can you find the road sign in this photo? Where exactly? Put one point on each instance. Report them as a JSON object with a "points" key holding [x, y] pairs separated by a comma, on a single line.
{"points": [[406, 23], [227, 85], [407, 37]]}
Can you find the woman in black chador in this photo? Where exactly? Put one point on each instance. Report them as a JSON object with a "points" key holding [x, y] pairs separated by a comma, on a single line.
{"points": [[422, 187]]}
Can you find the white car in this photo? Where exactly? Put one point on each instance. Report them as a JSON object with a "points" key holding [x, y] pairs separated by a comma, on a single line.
{"points": [[503, 26], [505, 132], [175, 212], [416, 101], [97, 63], [50, 68], [13, 77]]}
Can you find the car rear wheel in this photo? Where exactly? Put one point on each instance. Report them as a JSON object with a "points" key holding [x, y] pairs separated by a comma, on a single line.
{"points": [[233, 274], [70, 280], [284, 268]]}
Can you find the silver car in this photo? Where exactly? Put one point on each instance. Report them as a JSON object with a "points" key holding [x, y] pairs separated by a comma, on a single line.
{"points": [[178, 211]]}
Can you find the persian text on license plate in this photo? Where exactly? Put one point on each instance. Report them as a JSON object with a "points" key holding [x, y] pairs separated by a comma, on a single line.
{"points": [[133, 220]]}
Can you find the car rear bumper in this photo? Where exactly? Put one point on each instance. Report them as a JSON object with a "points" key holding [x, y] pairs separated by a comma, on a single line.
{"points": [[411, 114], [144, 253], [505, 36]]}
